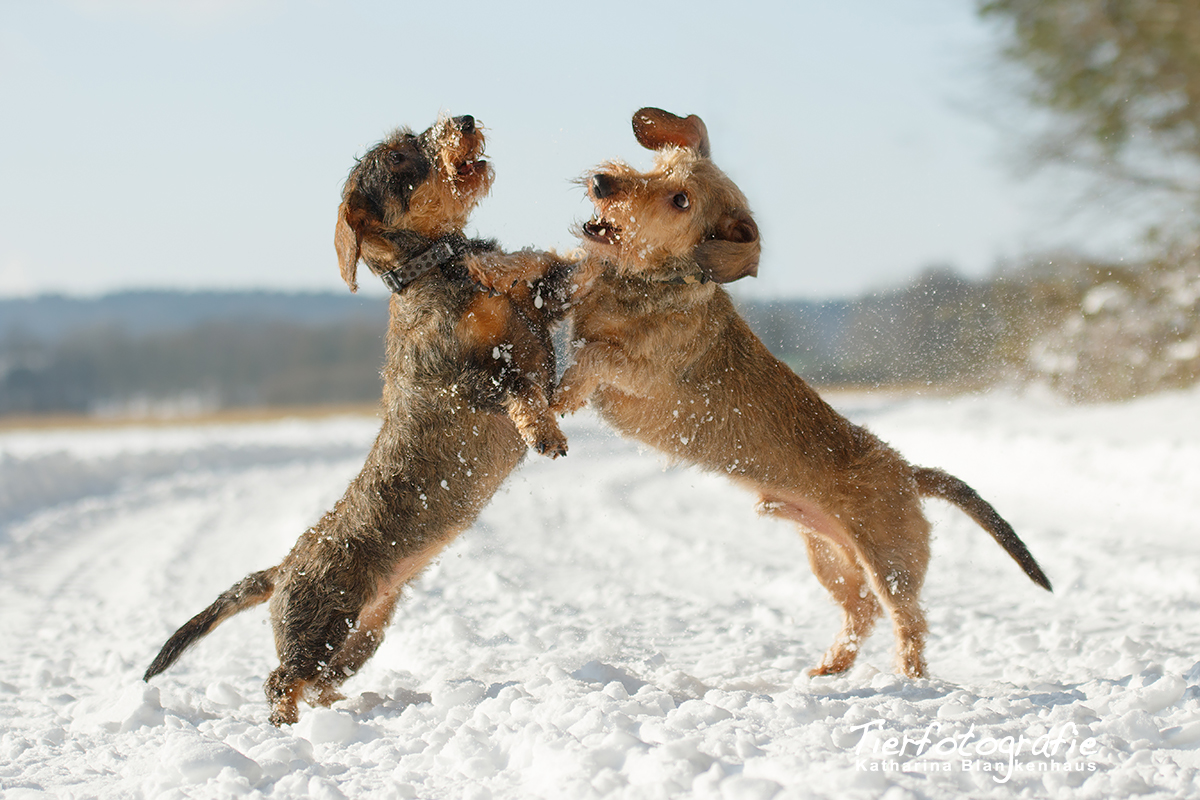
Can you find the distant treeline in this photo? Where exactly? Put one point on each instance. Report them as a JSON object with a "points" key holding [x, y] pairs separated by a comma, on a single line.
{"points": [[213, 365], [147, 352], [1091, 330], [940, 329]]}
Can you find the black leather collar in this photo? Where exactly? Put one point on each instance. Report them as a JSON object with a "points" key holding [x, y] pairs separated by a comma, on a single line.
{"points": [[438, 254]]}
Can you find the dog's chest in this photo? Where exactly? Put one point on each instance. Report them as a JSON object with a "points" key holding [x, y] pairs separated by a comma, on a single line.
{"points": [[646, 321], [430, 305]]}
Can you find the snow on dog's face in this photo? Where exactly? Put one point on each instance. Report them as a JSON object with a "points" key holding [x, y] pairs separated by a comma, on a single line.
{"points": [[427, 183], [684, 211], [455, 146]]}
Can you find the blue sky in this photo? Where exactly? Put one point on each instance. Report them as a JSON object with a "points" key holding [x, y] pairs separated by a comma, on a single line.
{"points": [[194, 144]]}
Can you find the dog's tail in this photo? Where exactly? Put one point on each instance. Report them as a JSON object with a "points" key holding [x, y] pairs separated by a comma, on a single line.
{"points": [[936, 483], [250, 591]]}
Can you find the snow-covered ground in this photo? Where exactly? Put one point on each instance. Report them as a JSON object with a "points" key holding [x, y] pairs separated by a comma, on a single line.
{"points": [[611, 628]]}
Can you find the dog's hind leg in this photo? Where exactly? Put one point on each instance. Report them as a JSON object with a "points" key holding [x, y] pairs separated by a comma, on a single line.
{"points": [[312, 616], [896, 566], [880, 557], [833, 560], [840, 573], [283, 690], [362, 642], [315, 666]]}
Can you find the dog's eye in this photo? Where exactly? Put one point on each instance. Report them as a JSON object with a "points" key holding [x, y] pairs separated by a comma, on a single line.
{"points": [[680, 201], [395, 157]]}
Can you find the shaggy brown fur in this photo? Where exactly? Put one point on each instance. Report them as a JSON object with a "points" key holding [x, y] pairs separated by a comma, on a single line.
{"points": [[664, 358], [462, 367]]}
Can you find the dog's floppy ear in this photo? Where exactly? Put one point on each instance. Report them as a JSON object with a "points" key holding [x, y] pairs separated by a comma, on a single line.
{"points": [[656, 129], [348, 241], [732, 250]]}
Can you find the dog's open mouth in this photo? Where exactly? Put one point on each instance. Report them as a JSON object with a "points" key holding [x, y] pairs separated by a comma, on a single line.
{"points": [[468, 168], [601, 230]]}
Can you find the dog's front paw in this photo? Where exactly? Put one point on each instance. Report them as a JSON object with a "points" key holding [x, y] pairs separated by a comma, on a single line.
{"points": [[553, 442], [568, 398], [487, 273], [573, 391]]}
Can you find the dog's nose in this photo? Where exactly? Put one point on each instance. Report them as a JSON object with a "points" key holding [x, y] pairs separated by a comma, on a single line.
{"points": [[465, 123], [602, 186]]}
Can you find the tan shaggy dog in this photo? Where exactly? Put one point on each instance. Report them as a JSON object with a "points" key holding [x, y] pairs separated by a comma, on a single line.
{"points": [[665, 359], [466, 383]]}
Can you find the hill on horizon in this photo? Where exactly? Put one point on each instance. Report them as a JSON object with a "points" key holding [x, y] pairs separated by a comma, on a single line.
{"points": [[156, 349], [49, 318]]}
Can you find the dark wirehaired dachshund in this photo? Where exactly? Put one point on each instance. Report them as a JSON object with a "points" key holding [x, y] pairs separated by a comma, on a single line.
{"points": [[466, 383]]}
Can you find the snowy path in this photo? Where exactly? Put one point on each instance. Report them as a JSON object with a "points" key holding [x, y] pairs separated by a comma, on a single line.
{"points": [[610, 628]]}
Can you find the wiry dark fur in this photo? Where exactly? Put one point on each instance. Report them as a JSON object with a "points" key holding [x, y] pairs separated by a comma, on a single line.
{"points": [[462, 366]]}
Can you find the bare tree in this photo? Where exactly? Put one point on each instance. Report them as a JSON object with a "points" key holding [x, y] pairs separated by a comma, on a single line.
{"points": [[1123, 80]]}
